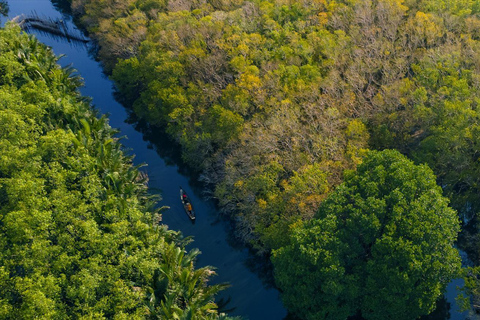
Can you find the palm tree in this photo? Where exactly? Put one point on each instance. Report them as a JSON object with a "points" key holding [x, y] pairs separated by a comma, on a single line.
{"points": [[180, 291]]}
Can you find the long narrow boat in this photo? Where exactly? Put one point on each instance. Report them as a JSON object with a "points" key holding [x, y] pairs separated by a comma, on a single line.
{"points": [[187, 204]]}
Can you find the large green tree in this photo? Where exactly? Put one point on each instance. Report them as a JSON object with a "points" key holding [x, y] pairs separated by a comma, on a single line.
{"points": [[380, 246]]}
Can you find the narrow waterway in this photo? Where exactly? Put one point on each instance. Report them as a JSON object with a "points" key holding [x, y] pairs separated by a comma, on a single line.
{"points": [[249, 296], [247, 293]]}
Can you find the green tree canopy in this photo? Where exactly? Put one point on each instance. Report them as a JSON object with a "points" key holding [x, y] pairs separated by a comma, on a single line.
{"points": [[244, 86], [380, 246], [79, 233], [3, 7]]}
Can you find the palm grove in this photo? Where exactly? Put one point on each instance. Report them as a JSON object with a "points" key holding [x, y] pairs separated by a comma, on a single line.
{"points": [[79, 233], [277, 103]]}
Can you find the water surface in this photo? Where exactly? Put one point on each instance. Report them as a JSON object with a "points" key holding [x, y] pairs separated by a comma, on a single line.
{"points": [[249, 296]]}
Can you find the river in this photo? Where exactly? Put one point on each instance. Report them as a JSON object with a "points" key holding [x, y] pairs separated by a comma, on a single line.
{"points": [[251, 297]]}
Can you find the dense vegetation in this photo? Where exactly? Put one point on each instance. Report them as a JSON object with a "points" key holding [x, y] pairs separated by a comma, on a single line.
{"points": [[79, 234], [380, 246], [273, 100], [3, 8]]}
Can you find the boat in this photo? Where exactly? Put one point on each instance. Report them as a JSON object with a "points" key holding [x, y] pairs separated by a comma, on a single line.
{"points": [[187, 204]]}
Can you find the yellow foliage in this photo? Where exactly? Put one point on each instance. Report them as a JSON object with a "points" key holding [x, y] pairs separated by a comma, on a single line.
{"points": [[249, 82], [322, 18], [262, 204], [421, 16], [243, 49], [301, 205], [254, 39], [296, 225], [424, 26], [239, 184]]}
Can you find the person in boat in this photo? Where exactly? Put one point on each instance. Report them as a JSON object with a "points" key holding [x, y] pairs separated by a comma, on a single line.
{"points": [[189, 207], [184, 197]]}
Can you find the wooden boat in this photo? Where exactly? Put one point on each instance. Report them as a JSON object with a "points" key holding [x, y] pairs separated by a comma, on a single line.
{"points": [[187, 204]]}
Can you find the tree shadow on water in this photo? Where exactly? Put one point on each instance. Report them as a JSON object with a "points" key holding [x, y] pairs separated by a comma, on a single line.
{"points": [[262, 267], [441, 312], [63, 6], [167, 149]]}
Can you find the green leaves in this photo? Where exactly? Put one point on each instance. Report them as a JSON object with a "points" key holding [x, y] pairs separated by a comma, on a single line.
{"points": [[79, 234], [381, 244], [243, 85]]}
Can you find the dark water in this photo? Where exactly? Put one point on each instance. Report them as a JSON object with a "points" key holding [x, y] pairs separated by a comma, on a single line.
{"points": [[250, 296]]}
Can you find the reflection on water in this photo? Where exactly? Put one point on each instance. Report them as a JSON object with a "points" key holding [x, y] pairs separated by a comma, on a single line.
{"points": [[62, 6], [441, 312]]}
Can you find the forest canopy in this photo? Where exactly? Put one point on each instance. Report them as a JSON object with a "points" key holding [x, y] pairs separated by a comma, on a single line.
{"points": [[380, 246], [273, 100], [79, 234]]}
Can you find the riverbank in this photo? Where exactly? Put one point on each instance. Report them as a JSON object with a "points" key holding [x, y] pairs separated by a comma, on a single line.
{"points": [[211, 235], [80, 235], [260, 185]]}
